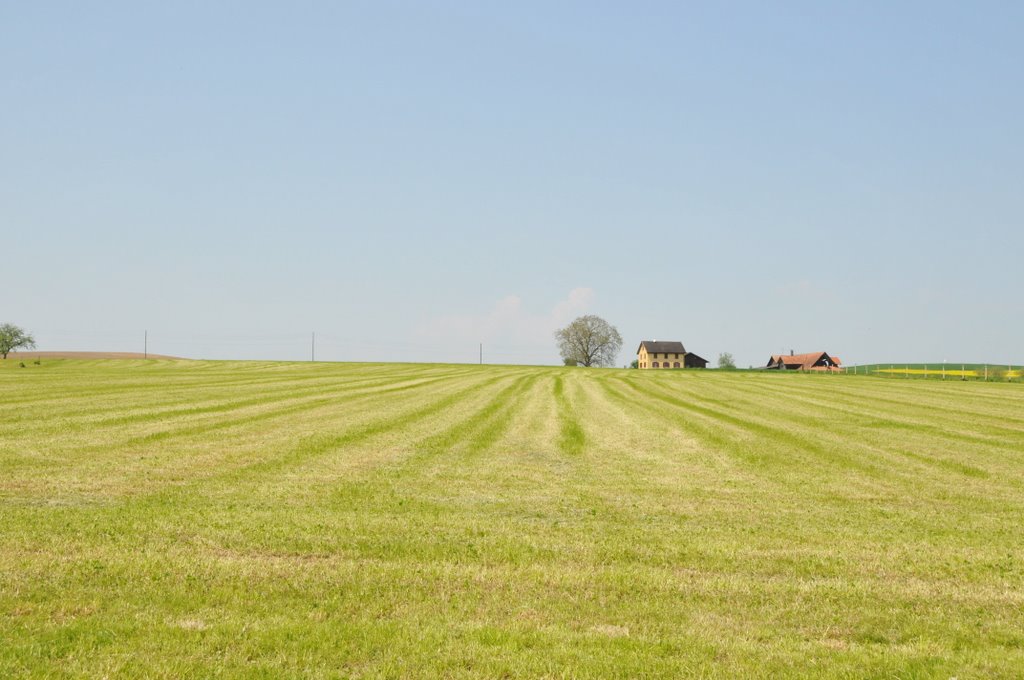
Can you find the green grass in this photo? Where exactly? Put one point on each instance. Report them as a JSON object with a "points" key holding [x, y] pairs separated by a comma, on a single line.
{"points": [[949, 372], [180, 519]]}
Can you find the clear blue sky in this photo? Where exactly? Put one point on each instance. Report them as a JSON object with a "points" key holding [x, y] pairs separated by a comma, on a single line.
{"points": [[408, 179]]}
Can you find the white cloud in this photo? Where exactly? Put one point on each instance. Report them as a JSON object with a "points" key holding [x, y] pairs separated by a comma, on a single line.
{"points": [[507, 323]]}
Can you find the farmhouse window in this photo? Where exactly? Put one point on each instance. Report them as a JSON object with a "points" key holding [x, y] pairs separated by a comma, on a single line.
{"points": [[655, 364], [675, 365]]}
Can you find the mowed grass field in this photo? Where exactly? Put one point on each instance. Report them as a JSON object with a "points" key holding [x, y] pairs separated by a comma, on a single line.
{"points": [[950, 372], [170, 519]]}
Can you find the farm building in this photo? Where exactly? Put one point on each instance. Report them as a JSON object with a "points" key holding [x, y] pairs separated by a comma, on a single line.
{"points": [[667, 354], [694, 361], [810, 361]]}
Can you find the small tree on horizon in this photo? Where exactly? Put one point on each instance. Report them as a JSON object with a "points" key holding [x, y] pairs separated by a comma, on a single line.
{"points": [[726, 361], [12, 338], [589, 341]]}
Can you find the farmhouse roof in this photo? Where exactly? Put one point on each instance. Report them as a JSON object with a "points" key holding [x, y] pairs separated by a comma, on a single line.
{"points": [[662, 346], [806, 360]]}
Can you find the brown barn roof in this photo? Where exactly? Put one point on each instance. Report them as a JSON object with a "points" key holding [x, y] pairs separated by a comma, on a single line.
{"points": [[806, 360], [662, 346]]}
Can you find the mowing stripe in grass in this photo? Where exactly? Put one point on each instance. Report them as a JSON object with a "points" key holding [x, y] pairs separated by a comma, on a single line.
{"points": [[571, 438], [673, 543], [824, 425], [919, 409], [244, 420], [312, 447], [839, 418], [456, 434], [716, 437], [496, 419], [279, 397], [168, 389], [833, 455], [473, 433]]}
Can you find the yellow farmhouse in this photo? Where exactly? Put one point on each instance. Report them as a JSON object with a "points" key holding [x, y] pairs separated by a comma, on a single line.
{"points": [[667, 354]]}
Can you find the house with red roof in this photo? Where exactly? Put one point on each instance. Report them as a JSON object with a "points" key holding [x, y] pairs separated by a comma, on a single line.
{"points": [[810, 361]]}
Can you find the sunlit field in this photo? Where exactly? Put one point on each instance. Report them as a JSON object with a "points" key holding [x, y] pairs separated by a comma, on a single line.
{"points": [[172, 519], [994, 372]]}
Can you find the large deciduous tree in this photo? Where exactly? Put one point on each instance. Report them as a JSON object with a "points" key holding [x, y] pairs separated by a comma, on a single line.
{"points": [[12, 338], [589, 341]]}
